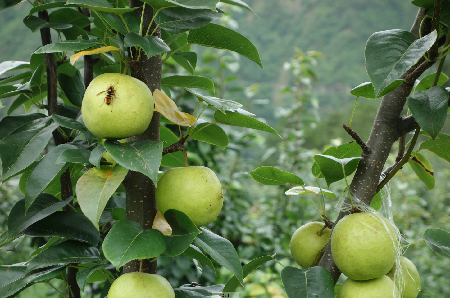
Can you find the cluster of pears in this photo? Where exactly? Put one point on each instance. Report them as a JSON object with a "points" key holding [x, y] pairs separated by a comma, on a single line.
{"points": [[364, 248], [197, 192]]}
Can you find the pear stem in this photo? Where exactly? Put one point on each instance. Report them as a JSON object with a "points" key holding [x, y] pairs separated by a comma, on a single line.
{"points": [[321, 230], [409, 244]]}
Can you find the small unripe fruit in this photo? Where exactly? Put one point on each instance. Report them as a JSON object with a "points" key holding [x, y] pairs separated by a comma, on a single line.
{"points": [[117, 106], [306, 243], [382, 287], [141, 285], [195, 191], [364, 246]]}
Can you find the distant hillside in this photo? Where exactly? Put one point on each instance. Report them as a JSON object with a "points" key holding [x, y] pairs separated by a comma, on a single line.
{"points": [[339, 29]]}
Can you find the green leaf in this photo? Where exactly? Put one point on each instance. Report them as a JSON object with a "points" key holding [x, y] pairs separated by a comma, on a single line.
{"points": [[141, 156], [274, 176], [13, 65], [194, 253], [49, 243], [69, 16], [44, 172], [187, 60], [189, 82], [313, 282], [19, 150], [73, 88], [68, 224], [12, 124], [439, 147], [95, 188], [220, 37], [13, 278], [43, 7], [346, 150], [43, 206], [74, 156], [96, 155], [303, 190], [251, 266], [73, 124], [114, 21], [34, 24], [366, 90], [238, 3], [238, 118], [127, 241], [423, 169], [83, 276], [65, 253], [66, 46], [221, 250], [175, 159], [151, 45], [181, 19], [430, 109], [8, 3], [389, 54], [100, 5], [427, 82], [19, 77], [194, 4], [439, 241], [184, 232], [428, 4], [335, 169], [220, 104], [210, 133], [188, 291], [376, 202]]}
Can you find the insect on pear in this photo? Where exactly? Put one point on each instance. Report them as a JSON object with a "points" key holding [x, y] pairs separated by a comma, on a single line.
{"points": [[109, 95]]}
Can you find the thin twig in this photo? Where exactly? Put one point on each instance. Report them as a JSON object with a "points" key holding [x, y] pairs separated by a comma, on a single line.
{"points": [[359, 141], [175, 147], [401, 152], [402, 162]]}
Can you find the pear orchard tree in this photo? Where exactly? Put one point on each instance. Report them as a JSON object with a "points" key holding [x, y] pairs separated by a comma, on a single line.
{"points": [[93, 197]]}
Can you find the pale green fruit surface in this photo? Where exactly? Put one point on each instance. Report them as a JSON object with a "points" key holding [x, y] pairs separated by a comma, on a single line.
{"points": [[129, 113], [382, 287], [362, 248], [196, 191], [141, 285], [411, 278], [305, 243]]}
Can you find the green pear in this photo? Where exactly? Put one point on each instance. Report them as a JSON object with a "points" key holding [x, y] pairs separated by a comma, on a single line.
{"points": [[409, 279], [141, 285], [382, 287], [117, 106], [306, 243], [195, 191], [364, 245]]}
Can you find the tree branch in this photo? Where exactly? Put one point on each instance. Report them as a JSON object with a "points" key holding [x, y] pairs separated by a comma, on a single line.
{"points": [[385, 131], [140, 202], [52, 104]]}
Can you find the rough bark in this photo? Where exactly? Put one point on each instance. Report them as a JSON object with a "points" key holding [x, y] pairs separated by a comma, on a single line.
{"points": [[141, 203]]}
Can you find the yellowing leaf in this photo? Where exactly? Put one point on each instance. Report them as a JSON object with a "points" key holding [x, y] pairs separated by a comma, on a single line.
{"points": [[78, 55], [161, 224], [169, 109]]}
